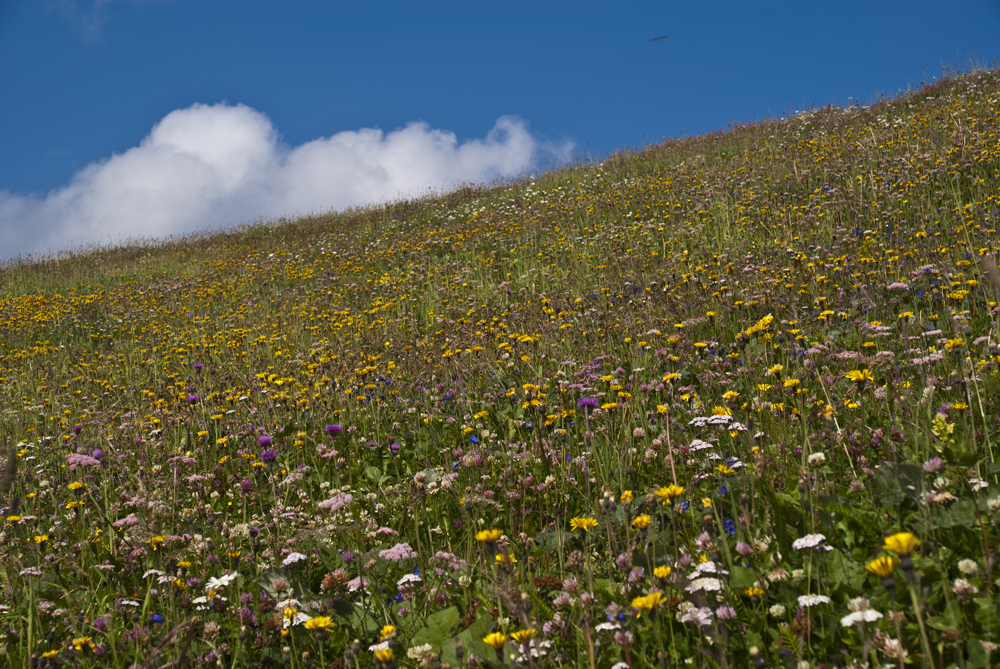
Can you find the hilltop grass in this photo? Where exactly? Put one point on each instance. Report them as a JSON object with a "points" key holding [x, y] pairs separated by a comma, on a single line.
{"points": [[730, 401]]}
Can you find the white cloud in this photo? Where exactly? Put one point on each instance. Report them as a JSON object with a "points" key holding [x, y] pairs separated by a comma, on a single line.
{"points": [[212, 166]]}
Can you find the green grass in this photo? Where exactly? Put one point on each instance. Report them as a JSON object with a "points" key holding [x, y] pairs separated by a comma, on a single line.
{"points": [[793, 322]]}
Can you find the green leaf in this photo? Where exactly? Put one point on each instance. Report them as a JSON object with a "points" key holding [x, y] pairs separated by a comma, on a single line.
{"points": [[438, 629], [844, 571], [374, 474], [472, 640], [741, 578]]}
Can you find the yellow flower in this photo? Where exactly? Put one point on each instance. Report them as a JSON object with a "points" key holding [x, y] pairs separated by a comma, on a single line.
{"points": [[82, 641], [585, 524], [523, 636], [489, 536], [859, 376], [724, 470], [41, 538], [324, 623], [648, 602], [753, 592], [502, 558], [730, 395], [384, 655], [626, 497], [75, 485], [74, 504], [642, 522], [669, 493], [495, 640], [662, 572], [882, 566], [387, 632], [901, 543]]}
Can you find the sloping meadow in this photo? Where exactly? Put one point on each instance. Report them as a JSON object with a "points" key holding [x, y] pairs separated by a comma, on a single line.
{"points": [[728, 401]]}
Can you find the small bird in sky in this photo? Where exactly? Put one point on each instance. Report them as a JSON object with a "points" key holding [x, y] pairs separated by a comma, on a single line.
{"points": [[658, 38]]}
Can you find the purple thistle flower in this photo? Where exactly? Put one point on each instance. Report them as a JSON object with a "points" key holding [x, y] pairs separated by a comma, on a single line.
{"points": [[246, 485], [264, 441], [198, 365], [77, 429], [333, 429], [587, 403], [269, 456], [192, 399], [97, 454]]}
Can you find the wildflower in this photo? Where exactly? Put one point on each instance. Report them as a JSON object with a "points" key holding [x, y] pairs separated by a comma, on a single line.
{"points": [[805, 601], [333, 430], [968, 567], [269, 456], [706, 583], [626, 497], [661, 572], [641, 522], [585, 524], [863, 616], [817, 459], [964, 588], [523, 636], [320, 623], [808, 541], [489, 536], [901, 543], [384, 655], [859, 376], [496, 641], [387, 632], [777, 610], [700, 616], [398, 553], [649, 602], [507, 558], [933, 465], [753, 592], [669, 493], [883, 567], [725, 613], [81, 642]]}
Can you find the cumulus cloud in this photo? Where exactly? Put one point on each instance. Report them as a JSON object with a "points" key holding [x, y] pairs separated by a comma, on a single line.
{"points": [[211, 166]]}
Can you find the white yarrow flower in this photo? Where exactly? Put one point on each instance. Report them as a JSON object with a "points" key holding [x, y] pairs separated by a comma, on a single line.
{"points": [[808, 541], [805, 601]]}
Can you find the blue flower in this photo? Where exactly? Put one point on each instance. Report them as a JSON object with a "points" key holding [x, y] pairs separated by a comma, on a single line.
{"points": [[473, 439], [729, 526], [157, 619]]}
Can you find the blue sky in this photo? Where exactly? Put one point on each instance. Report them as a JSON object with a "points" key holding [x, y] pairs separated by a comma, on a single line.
{"points": [[124, 118]]}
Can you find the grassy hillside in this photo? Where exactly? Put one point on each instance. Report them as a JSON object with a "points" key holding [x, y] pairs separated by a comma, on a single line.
{"points": [[728, 401]]}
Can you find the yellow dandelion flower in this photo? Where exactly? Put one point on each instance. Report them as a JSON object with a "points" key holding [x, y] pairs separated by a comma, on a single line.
{"points": [[496, 640], [901, 543], [883, 566], [584, 524]]}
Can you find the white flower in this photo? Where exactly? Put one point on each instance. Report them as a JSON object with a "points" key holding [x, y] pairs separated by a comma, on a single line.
{"points": [[607, 627], [964, 588], [858, 604], [808, 541], [817, 459], [968, 567], [706, 583], [292, 559], [777, 610], [418, 652], [864, 616], [221, 581], [698, 616], [150, 572], [408, 578], [806, 601]]}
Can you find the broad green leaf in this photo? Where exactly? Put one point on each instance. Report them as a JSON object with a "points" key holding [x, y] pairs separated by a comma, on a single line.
{"points": [[439, 626]]}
